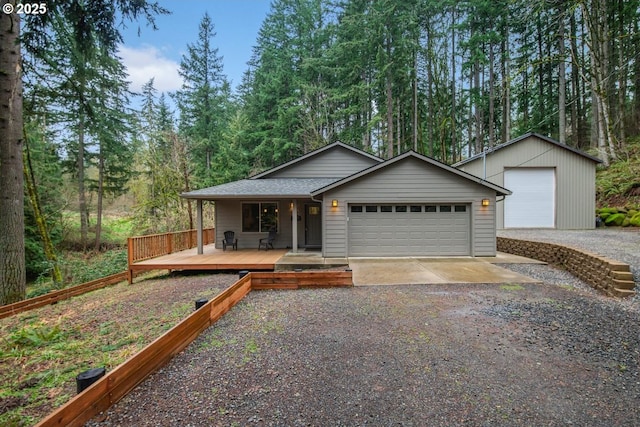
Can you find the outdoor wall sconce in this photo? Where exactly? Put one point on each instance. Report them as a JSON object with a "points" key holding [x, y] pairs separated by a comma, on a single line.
{"points": [[334, 203], [485, 202]]}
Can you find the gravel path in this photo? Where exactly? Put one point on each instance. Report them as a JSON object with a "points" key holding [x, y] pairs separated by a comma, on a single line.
{"points": [[553, 354], [437, 355], [621, 244]]}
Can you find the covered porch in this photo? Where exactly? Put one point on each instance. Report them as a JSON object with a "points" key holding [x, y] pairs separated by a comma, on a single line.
{"points": [[253, 208]]}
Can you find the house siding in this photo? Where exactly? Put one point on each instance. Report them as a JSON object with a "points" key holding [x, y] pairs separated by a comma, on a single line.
{"points": [[410, 180], [336, 163], [228, 217], [575, 178]]}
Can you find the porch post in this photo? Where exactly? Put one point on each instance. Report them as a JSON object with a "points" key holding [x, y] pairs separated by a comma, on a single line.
{"points": [[199, 231], [294, 226]]}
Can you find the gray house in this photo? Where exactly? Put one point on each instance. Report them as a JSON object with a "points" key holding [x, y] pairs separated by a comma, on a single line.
{"points": [[346, 202], [553, 184]]}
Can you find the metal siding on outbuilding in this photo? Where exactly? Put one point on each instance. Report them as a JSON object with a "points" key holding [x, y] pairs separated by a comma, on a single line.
{"points": [[575, 177], [411, 181]]}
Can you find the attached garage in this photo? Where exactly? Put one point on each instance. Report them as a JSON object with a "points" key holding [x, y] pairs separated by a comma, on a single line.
{"points": [[553, 185], [409, 230], [410, 205], [533, 202]]}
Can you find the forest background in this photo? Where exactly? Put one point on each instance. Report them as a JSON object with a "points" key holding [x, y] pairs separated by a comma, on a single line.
{"points": [[446, 78]]}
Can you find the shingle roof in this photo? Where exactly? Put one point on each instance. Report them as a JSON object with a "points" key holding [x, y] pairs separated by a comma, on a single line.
{"points": [[280, 187], [337, 183]]}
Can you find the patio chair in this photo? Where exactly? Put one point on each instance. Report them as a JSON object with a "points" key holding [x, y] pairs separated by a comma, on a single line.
{"points": [[230, 240], [267, 242]]}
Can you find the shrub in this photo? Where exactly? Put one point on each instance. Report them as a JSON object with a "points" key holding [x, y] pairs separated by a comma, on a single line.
{"points": [[615, 220], [635, 220]]}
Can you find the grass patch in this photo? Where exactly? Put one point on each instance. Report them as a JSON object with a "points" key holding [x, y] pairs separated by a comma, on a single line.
{"points": [[42, 351], [512, 287]]}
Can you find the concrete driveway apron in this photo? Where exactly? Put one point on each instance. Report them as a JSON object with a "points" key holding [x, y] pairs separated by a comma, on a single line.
{"points": [[409, 271]]}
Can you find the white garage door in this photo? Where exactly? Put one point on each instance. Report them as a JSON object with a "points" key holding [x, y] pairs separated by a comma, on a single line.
{"points": [[532, 204], [409, 230]]}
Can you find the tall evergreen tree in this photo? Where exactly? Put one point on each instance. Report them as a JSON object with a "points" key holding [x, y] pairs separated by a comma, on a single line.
{"points": [[203, 101], [12, 252]]}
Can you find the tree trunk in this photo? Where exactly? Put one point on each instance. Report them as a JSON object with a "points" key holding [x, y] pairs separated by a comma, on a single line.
{"points": [[454, 139], [623, 72], [12, 255], [562, 83], [82, 197], [100, 192], [492, 109], [596, 18], [389, 98], [47, 244], [477, 109], [575, 84], [506, 87]]}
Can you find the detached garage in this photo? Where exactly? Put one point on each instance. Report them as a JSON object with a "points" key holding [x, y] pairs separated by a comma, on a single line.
{"points": [[553, 185]]}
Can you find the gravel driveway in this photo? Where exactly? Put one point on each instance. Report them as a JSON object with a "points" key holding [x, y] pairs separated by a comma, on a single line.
{"points": [[414, 355], [553, 354]]}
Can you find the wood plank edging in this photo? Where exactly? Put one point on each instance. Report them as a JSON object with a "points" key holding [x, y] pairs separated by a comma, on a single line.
{"points": [[125, 377], [60, 295]]}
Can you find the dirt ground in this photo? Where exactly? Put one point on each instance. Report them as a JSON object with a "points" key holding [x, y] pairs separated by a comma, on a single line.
{"points": [[436, 355]]}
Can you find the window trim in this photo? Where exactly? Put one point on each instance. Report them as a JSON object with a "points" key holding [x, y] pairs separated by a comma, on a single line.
{"points": [[260, 224]]}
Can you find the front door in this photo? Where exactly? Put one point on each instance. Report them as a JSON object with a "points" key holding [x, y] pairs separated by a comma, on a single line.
{"points": [[313, 225]]}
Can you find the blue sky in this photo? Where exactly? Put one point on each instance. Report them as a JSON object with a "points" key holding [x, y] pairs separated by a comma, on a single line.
{"points": [[157, 53]]}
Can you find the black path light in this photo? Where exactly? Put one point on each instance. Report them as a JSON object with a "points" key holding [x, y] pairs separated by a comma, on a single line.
{"points": [[86, 378]]}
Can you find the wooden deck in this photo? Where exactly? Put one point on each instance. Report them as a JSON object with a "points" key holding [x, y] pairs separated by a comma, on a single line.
{"points": [[213, 259]]}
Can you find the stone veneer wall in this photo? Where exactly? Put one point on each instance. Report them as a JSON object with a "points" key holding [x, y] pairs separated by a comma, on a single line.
{"points": [[609, 276]]}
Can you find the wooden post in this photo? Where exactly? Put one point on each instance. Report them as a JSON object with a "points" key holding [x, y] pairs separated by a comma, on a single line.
{"points": [[129, 260], [294, 226], [199, 220]]}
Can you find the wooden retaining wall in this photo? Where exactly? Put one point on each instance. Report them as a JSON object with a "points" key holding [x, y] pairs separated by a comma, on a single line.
{"points": [[125, 377], [609, 276], [55, 296]]}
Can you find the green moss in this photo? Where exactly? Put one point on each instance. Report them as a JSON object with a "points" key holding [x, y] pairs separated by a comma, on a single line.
{"points": [[626, 222], [635, 220], [615, 219], [604, 215], [609, 210]]}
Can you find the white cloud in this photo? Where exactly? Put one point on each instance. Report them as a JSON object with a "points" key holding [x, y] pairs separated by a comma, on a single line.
{"points": [[146, 62]]}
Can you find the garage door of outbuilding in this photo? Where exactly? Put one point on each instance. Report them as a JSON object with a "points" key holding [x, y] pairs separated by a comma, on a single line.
{"points": [[532, 204], [409, 229]]}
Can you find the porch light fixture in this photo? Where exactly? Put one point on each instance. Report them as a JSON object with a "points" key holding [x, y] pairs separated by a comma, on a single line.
{"points": [[334, 203], [485, 202]]}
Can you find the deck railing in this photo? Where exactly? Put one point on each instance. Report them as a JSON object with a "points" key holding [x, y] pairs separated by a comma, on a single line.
{"points": [[140, 248]]}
